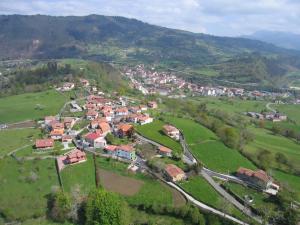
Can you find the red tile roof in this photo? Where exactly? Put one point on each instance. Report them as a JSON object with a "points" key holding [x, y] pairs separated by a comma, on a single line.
{"points": [[44, 143], [92, 136], [173, 171], [104, 126], [169, 128], [126, 148], [111, 148], [76, 156], [164, 149], [125, 127], [260, 174]]}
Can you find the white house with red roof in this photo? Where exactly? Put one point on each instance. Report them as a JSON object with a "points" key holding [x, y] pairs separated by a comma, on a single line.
{"points": [[95, 140], [164, 151], [123, 111], [144, 119], [91, 114], [174, 173]]}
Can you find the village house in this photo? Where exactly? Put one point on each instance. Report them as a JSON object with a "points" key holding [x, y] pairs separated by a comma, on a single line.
{"points": [[91, 114], [95, 140], [171, 131], [144, 119], [135, 109], [174, 173], [69, 122], [95, 123], [49, 119], [84, 82], [56, 125], [143, 108], [108, 116], [164, 151], [67, 86], [258, 179], [122, 151], [123, 111], [66, 139], [132, 118], [104, 128], [124, 130], [75, 156], [57, 134], [152, 105], [44, 144]]}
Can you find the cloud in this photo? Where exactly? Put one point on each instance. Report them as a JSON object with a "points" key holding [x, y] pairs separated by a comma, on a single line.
{"points": [[219, 17]]}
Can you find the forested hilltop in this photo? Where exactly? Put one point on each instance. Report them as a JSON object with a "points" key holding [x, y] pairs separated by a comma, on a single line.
{"points": [[131, 41]]}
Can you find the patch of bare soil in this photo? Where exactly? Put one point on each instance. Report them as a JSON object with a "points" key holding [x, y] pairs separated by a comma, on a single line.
{"points": [[120, 184], [24, 124]]}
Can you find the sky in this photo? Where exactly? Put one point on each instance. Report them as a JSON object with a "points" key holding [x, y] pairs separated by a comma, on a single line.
{"points": [[217, 17]]}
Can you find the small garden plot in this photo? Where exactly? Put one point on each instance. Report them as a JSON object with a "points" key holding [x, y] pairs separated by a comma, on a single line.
{"points": [[123, 185]]}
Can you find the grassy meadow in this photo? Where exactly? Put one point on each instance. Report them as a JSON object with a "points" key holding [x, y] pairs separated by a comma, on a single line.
{"points": [[30, 106], [265, 140], [205, 145], [24, 187], [15, 138]]}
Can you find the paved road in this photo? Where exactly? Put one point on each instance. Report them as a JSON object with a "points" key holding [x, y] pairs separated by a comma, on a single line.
{"points": [[204, 206], [207, 174], [228, 197]]}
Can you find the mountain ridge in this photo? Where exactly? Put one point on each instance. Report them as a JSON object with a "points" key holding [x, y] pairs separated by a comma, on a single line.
{"points": [[114, 38]]}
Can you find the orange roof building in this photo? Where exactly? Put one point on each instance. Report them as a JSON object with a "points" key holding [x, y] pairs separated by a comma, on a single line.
{"points": [[174, 173], [43, 144]]}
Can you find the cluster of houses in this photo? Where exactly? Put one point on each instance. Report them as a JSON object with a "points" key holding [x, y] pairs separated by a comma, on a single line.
{"points": [[272, 116], [151, 81], [57, 130], [259, 180]]}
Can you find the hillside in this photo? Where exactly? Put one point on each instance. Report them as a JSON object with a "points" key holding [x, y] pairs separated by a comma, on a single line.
{"points": [[282, 39], [132, 41]]}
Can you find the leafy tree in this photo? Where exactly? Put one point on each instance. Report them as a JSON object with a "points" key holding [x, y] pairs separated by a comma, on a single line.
{"points": [[60, 207], [105, 208]]}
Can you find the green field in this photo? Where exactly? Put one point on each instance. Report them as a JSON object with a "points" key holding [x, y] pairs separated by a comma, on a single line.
{"points": [[264, 139], [289, 181], [232, 105], [16, 138], [202, 191], [80, 175], [205, 145], [30, 106], [154, 132], [292, 111], [25, 186]]}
